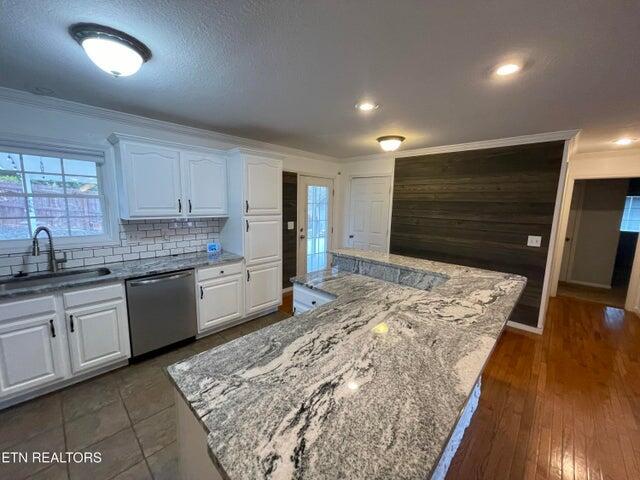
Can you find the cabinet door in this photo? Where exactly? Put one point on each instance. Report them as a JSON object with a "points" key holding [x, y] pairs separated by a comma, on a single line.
{"points": [[206, 185], [98, 335], [262, 239], [30, 353], [263, 287], [152, 176], [220, 301], [263, 186]]}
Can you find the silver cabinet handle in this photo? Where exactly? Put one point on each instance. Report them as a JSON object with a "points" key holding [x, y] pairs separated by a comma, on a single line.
{"points": [[150, 281]]}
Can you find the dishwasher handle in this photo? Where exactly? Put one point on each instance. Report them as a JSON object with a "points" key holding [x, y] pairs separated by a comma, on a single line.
{"points": [[150, 281]]}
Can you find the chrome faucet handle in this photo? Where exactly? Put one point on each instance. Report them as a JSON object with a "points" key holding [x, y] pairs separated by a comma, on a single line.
{"points": [[60, 260]]}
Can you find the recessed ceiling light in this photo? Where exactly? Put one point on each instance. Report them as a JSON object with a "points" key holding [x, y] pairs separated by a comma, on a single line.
{"points": [[508, 69], [367, 106], [389, 143], [113, 51], [624, 141]]}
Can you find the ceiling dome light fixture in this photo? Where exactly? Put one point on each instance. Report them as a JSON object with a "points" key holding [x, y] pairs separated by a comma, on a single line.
{"points": [[624, 141], [508, 69], [390, 143], [367, 106], [113, 51]]}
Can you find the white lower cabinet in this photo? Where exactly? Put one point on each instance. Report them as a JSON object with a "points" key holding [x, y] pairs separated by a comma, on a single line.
{"points": [[41, 336], [305, 298], [219, 301], [98, 335], [31, 353], [263, 287]]}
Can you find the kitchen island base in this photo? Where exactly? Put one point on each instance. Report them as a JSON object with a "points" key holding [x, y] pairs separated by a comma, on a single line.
{"points": [[194, 462]]}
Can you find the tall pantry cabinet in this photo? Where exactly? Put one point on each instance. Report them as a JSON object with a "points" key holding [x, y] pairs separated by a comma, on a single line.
{"points": [[254, 226]]}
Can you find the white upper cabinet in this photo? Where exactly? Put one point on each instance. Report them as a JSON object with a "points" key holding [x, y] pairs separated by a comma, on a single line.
{"points": [[263, 186], [163, 180], [205, 184], [151, 177]]}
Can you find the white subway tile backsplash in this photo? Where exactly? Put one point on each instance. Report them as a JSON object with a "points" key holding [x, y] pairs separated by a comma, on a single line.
{"points": [[138, 239]]}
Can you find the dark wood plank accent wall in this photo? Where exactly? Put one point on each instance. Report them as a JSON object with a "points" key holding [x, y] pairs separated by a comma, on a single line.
{"points": [[477, 208], [289, 237]]}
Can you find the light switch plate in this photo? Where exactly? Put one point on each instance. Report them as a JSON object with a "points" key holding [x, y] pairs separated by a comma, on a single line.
{"points": [[534, 241], [291, 225]]}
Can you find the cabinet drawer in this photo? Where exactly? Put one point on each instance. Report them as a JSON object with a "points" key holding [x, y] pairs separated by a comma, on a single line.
{"points": [[207, 273], [309, 297], [93, 295], [27, 308]]}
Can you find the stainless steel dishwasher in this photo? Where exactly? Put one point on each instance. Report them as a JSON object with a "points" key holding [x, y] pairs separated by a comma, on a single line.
{"points": [[162, 310]]}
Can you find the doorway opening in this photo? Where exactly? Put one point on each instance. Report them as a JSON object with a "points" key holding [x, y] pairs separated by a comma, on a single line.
{"points": [[601, 240]]}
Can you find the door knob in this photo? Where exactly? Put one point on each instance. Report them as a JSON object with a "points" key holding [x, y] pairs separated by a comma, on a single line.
{"points": [[350, 236], [302, 237]]}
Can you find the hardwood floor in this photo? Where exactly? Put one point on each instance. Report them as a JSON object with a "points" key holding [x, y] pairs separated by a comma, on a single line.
{"points": [[564, 405], [287, 303], [613, 297]]}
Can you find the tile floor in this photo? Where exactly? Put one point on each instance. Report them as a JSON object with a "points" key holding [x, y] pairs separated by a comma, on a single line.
{"points": [[126, 414]]}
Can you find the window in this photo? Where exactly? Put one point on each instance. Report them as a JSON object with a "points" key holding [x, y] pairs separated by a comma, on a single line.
{"points": [[631, 215], [57, 190]]}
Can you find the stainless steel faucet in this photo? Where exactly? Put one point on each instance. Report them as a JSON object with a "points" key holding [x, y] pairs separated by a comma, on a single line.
{"points": [[35, 249]]}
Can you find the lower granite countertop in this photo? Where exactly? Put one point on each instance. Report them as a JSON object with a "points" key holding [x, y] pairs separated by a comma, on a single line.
{"points": [[368, 386], [125, 270]]}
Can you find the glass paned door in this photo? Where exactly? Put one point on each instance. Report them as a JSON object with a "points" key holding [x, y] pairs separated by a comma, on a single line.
{"points": [[315, 231]]}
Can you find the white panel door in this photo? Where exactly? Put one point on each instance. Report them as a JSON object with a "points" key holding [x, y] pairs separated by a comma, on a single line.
{"points": [[205, 184], [263, 287], [98, 335], [262, 239], [315, 198], [263, 186], [30, 354], [152, 176], [220, 301], [369, 213]]}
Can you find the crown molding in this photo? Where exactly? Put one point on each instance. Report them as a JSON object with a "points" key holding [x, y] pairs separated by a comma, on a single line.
{"points": [[563, 135], [224, 141]]}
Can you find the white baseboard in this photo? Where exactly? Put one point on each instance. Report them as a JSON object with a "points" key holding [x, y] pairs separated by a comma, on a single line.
{"points": [[526, 328], [589, 284]]}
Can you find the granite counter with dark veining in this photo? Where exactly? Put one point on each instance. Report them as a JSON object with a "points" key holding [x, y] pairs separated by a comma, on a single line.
{"points": [[122, 271], [367, 386]]}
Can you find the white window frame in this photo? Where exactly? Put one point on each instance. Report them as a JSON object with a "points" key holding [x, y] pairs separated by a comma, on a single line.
{"points": [[106, 181]]}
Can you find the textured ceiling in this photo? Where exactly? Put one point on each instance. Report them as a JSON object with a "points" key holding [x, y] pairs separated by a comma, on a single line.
{"points": [[289, 72]]}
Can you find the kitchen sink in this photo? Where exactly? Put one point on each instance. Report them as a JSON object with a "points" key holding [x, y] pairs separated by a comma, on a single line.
{"points": [[37, 279]]}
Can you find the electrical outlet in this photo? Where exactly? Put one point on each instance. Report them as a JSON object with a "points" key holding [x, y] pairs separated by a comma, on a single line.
{"points": [[534, 241]]}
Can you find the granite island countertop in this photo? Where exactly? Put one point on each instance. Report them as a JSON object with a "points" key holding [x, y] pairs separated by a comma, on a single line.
{"points": [[123, 271], [368, 386]]}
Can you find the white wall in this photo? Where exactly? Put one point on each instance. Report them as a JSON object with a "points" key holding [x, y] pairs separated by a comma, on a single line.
{"points": [[597, 231]]}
